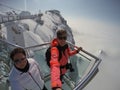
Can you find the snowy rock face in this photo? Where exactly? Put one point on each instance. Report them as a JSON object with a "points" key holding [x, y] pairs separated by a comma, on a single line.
{"points": [[42, 28]]}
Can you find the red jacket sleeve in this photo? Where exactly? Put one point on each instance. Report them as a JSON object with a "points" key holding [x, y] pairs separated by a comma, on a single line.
{"points": [[55, 68], [72, 52]]}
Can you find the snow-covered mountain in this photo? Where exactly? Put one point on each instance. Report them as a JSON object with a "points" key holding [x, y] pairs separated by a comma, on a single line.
{"points": [[37, 30]]}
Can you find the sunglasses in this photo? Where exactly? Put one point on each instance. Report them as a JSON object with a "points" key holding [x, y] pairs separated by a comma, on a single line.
{"points": [[17, 61], [62, 38]]}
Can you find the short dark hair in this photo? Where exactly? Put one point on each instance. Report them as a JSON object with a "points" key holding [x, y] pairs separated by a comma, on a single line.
{"points": [[16, 51], [61, 32]]}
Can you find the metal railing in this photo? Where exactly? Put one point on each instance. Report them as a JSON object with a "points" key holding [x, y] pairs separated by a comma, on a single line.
{"points": [[95, 61]]}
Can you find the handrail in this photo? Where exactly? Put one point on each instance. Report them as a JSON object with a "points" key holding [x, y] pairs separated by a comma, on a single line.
{"points": [[83, 81], [84, 51], [46, 43]]}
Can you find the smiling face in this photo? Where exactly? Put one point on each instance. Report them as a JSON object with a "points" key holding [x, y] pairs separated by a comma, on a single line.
{"points": [[20, 60], [18, 57], [62, 37], [62, 40]]}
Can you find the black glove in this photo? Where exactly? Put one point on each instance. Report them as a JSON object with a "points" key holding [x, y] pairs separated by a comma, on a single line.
{"points": [[69, 66]]}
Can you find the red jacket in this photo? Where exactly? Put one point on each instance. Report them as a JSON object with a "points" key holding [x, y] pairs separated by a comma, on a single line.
{"points": [[55, 63]]}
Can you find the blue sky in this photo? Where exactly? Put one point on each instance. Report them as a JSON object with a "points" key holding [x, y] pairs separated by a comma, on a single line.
{"points": [[104, 10]]}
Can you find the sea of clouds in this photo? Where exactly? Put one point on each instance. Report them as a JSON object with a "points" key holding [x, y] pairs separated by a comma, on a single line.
{"points": [[101, 39]]}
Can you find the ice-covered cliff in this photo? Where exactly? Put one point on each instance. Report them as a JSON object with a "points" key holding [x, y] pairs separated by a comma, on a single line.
{"points": [[33, 31]]}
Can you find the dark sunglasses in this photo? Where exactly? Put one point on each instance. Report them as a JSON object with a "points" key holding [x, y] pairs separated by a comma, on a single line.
{"points": [[19, 60], [62, 38]]}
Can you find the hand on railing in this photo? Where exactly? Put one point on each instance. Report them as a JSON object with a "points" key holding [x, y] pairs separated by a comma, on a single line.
{"points": [[78, 48]]}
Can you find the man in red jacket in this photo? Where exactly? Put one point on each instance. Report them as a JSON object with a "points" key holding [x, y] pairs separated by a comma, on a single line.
{"points": [[60, 49]]}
